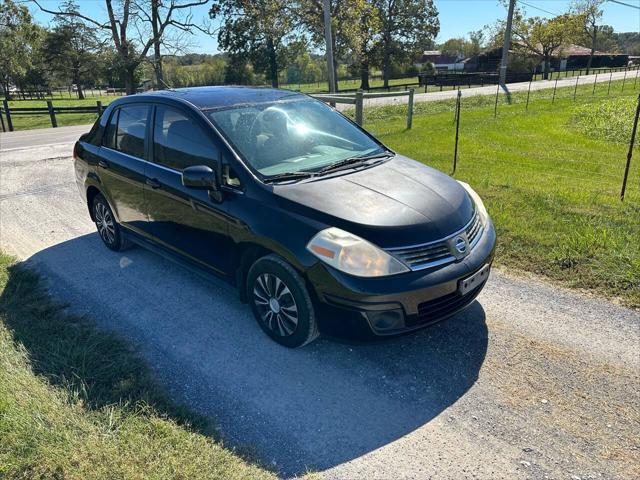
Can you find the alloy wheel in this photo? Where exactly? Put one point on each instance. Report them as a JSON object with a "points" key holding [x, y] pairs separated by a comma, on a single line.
{"points": [[276, 305], [105, 224]]}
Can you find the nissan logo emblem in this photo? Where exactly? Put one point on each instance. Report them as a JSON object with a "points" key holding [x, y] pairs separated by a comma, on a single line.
{"points": [[460, 244]]}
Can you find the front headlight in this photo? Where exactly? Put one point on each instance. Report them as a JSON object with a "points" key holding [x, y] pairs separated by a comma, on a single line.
{"points": [[484, 215], [351, 254]]}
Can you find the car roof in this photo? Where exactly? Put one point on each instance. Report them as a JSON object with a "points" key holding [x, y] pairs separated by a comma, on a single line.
{"points": [[206, 98]]}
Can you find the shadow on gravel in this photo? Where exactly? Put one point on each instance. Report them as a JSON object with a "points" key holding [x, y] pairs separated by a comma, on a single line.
{"points": [[315, 407]]}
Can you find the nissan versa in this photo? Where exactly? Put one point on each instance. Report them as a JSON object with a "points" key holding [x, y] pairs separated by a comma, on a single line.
{"points": [[319, 225]]}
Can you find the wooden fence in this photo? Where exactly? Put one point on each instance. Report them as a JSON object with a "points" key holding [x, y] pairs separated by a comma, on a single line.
{"points": [[7, 113], [360, 96]]}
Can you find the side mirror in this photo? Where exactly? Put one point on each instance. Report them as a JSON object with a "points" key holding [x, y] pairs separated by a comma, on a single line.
{"points": [[203, 178]]}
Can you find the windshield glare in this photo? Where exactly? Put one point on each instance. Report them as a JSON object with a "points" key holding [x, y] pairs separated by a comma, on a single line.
{"points": [[288, 137]]}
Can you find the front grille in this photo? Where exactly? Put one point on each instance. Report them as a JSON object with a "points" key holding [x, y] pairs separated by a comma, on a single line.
{"points": [[440, 252], [437, 309]]}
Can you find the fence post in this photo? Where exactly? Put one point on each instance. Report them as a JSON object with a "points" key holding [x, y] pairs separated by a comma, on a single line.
{"points": [[359, 107], [99, 107], [575, 90], [630, 153], [2, 121], [8, 113], [410, 109], [455, 151], [526, 108], [609, 89], [553, 99], [52, 114], [495, 108]]}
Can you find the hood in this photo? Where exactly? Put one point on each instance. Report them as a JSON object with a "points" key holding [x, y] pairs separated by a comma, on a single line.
{"points": [[399, 202]]}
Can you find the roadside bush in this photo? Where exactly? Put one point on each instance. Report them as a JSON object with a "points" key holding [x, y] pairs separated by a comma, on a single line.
{"points": [[607, 120]]}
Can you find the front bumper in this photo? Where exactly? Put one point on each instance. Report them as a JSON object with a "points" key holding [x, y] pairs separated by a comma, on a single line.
{"points": [[364, 307]]}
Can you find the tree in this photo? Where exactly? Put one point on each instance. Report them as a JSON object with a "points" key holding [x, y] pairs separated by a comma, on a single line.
{"points": [[544, 37], [71, 49], [348, 35], [406, 27], [256, 30], [19, 37], [129, 16], [589, 14]]}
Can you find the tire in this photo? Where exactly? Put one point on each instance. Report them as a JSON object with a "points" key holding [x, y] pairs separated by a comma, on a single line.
{"points": [[109, 230], [280, 302]]}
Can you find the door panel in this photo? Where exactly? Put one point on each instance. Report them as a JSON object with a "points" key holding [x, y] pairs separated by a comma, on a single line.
{"points": [[121, 166], [185, 220]]}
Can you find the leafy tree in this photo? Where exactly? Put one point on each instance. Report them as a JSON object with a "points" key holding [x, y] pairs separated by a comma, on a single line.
{"points": [[407, 26], [348, 35], [71, 49], [544, 37], [257, 30], [132, 16], [589, 13], [628, 42], [19, 38]]}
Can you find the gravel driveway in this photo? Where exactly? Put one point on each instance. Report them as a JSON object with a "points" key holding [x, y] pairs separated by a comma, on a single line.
{"points": [[531, 382]]}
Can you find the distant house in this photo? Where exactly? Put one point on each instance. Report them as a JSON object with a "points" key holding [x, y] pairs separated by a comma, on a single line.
{"points": [[441, 61], [568, 57]]}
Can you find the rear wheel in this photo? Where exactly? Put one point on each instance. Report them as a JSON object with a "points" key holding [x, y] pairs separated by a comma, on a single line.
{"points": [[280, 302], [108, 229]]}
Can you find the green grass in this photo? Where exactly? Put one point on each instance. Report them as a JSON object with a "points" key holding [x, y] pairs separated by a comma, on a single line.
{"points": [[552, 190], [77, 402], [609, 120]]}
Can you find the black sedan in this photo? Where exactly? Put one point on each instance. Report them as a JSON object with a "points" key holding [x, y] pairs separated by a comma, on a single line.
{"points": [[318, 224]]}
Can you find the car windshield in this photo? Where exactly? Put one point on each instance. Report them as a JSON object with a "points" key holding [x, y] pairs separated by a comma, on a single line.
{"points": [[286, 137]]}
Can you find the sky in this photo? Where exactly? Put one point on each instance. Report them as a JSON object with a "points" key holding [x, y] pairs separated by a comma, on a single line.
{"points": [[457, 17]]}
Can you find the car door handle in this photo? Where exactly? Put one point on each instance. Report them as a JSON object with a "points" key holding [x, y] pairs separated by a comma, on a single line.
{"points": [[103, 164], [153, 182]]}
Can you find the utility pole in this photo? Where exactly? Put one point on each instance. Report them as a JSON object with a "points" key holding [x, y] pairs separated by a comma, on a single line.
{"points": [[506, 44], [329, 42]]}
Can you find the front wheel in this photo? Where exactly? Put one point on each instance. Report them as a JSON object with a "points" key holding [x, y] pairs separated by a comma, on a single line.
{"points": [[280, 302]]}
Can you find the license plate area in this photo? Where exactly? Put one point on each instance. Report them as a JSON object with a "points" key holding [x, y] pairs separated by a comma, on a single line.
{"points": [[467, 284]]}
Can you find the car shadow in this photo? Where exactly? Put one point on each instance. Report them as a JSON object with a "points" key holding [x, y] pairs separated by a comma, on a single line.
{"points": [[310, 408]]}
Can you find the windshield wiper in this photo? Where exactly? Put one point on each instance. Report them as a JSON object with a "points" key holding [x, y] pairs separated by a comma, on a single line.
{"points": [[353, 161], [289, 176]]}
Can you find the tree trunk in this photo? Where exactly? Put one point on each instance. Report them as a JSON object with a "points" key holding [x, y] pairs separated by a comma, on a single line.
{"points": [[593, 49], [273, 63], [77, 79], [386, 60], [364, 75], [157, 58], [130, 80], [547, 65]]}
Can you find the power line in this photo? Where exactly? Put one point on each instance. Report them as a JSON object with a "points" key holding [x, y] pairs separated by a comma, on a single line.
{"points": [[538, 8], [625, 4]]}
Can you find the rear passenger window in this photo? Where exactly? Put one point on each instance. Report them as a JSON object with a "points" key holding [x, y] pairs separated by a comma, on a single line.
{"points": [[132, 123], [178, 142], [110, 137]]}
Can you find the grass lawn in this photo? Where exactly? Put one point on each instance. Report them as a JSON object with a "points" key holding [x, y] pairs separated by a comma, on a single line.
{"points": [[77, 402], [551, 188]]}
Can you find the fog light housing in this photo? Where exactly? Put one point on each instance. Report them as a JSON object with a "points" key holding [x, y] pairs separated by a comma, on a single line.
{"points": [[385, 321]]}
